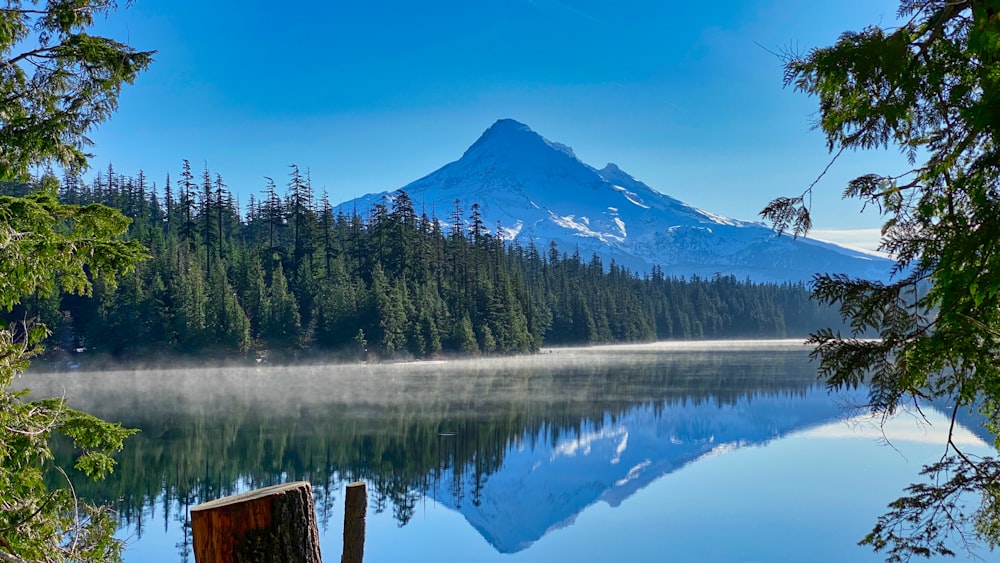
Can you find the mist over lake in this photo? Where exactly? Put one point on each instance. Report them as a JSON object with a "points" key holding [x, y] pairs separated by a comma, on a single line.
{"points": [[702, 451]]}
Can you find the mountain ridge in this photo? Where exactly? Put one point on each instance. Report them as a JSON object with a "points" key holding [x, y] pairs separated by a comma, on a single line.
{"points": [[535, 190]]}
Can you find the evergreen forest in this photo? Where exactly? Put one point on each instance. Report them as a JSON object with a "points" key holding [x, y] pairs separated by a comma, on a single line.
{"points": [[283, 276]]}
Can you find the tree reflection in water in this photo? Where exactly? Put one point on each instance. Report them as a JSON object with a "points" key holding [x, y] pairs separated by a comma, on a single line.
{"points": [[406, 429]]}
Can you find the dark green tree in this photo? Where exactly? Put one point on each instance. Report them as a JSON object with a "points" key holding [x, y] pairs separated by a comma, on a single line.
{"points": [[189, 296], [337, 307], [46, 247], [227, 323], [464, 336], [282, 324], [168, 207], [273, 213], [251, 289], [391, 306], [301, 216], [225, 215], [187, 201], [326, 224], [56, 83], [208, 217], [930, 86]]}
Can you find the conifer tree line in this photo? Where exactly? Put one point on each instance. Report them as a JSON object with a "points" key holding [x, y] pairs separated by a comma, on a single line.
{"points": [[290, 276]]}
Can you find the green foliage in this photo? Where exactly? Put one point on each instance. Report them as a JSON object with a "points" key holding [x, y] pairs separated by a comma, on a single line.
{"points": [[931, 88], [412, 289], [93, 436], [56, 81], [282, 325], [45, 247], [40, 243]]}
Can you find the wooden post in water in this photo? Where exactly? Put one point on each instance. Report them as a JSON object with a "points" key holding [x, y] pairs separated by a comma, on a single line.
{"points": [[355, 509], [273, 524]]}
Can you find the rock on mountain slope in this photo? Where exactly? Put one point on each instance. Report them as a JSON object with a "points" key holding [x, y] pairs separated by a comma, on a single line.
{"points": [[538, 190]]}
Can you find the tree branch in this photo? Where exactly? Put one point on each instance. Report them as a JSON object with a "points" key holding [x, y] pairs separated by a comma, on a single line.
{"points": [[40, 52]]}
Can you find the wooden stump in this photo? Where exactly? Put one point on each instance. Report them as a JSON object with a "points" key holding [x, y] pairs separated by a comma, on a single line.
{"points": [[274, 524], [355, 509]]}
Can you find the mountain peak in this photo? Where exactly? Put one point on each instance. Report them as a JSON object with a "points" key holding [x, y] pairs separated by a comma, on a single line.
{"points": [[538, 190], [507, 135], [507, 124], [506, 131]]}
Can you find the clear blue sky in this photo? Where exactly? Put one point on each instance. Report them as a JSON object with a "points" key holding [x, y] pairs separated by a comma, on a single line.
{"points": [[370, 95]]}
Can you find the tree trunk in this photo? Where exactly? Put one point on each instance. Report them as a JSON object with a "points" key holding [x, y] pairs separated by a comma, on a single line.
{"points": [[270, 525]]}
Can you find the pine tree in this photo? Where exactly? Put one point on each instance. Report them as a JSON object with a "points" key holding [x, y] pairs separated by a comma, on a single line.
{"points": [[206, 213], [464, 337], [228, 324], [187, 202], [251, 289], [391, 305], [168, 206], [189, 298], [282, 327], [225, 213], [299, 205], [274, 215], [326, 230]]}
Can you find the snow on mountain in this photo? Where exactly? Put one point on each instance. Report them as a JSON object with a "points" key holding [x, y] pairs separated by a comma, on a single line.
{"points": [[538, 190]]}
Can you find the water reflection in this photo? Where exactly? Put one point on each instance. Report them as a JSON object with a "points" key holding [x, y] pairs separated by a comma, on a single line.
{"points": [[518, 448]]}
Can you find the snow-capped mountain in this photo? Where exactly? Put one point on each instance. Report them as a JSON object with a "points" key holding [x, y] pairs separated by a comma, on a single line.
{"points": [[538, 190]]}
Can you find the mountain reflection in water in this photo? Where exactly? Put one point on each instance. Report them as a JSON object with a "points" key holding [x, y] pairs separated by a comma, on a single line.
{"points": [[518, 447]]}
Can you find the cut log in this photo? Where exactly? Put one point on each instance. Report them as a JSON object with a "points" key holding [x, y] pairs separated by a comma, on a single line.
{"points": [[270, 525], [355, 510]]}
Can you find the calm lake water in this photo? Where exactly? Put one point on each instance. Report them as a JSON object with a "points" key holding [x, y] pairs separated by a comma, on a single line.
{"points": [[713, 451]]}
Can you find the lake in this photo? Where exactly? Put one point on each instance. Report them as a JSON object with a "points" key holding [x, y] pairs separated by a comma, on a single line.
{"points": [[707, 451]]}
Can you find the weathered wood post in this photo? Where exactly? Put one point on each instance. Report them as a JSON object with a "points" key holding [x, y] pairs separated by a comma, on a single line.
{"points": [[355, 509], [273, 524]]}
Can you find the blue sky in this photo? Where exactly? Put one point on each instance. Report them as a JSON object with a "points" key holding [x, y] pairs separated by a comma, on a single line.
{"points": [[372, 95]]}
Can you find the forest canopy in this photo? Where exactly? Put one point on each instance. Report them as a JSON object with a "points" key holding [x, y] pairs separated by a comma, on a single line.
{"points": [[289, 277]]}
